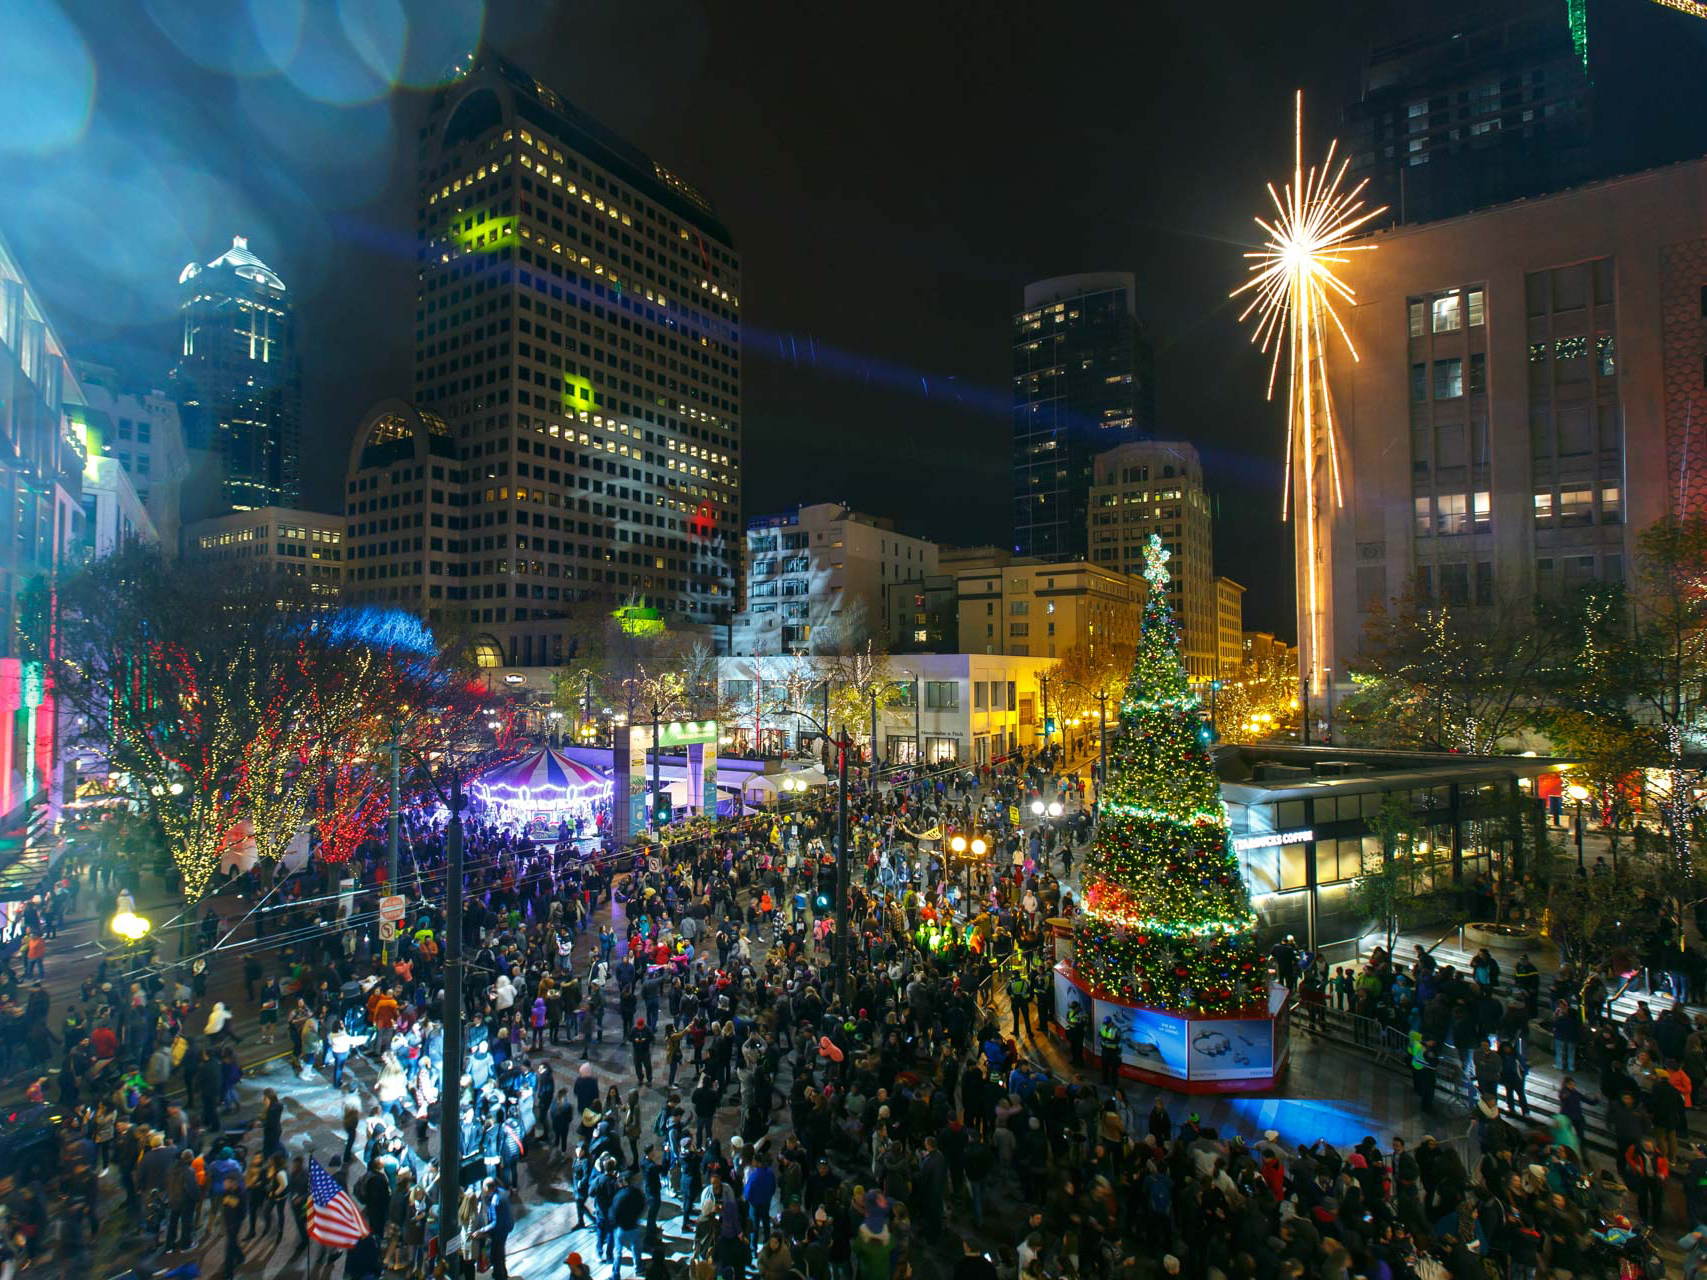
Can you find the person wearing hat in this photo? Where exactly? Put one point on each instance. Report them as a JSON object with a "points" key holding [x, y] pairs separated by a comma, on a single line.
{"points": [[1108, 1036], [578, 1269]]}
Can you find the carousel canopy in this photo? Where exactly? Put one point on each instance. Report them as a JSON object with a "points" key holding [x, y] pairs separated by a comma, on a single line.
{"points": [[542, 778]]}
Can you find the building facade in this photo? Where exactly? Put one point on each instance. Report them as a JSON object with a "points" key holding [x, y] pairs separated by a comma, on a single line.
{"points": [[1156, 487], [1082, 379], [1469, 104], [817, 580], [1230, 628], [1528, 389], [1028, 608], [970, 708], [301, 548], [1306, 822], [114, 514], [403, 509], [924, 614], [238, 382], [41, 529], [578, 329], [142, 431]]}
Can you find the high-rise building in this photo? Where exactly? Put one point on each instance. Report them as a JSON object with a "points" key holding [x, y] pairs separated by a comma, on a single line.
{"points": [[1472, 104], [1529, 396], [142, 431], [816, 579], [577, 328], [403, 504], [1156, 487], [304, 549], [238, 381], [41, 528], [1082, 384]]}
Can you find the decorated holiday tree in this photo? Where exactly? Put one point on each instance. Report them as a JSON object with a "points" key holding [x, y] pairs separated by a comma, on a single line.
{"points": [[1167, 918]]}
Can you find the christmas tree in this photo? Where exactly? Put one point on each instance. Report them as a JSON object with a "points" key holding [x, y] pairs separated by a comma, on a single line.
{"points": [[1167, 918]]}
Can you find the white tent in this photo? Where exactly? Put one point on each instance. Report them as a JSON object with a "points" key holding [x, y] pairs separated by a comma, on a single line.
{"points": [[761, 789], [812, 777]]}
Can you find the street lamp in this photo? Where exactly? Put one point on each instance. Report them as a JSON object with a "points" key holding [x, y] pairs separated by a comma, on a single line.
{"points": [[130, 926], [1579, 793]]}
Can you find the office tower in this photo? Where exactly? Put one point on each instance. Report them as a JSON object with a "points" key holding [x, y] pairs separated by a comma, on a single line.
{"points": [[1469, 104], [1082, 384], [403, 505], [303, 550], [1156, 486], [816, 580], [1530, 389], [41, 529], [238, 381], [577, 329]]}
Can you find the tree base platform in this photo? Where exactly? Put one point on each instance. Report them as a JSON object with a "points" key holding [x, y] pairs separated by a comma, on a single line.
{"points": [[1244, 1052]]}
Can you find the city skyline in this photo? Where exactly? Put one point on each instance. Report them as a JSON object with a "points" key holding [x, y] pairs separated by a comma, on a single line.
{"points": [[830, 366], [876, 315]]}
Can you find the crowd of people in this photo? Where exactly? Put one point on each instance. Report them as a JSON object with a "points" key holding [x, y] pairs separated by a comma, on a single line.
{"points": [[784, 1104]]}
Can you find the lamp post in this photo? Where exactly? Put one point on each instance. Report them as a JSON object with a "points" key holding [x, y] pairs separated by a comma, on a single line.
{"points": [[654, 813], [1579, 793]]}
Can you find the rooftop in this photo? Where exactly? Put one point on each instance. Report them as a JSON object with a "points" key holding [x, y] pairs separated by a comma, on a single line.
{"points": [[241, 262]]}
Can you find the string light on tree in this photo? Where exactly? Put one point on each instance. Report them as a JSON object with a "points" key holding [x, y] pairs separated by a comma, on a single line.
{"points": [[1294, 289], [1167, 917]]}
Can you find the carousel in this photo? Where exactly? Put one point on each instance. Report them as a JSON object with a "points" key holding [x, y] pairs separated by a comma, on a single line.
{"points": [[542, 790]]}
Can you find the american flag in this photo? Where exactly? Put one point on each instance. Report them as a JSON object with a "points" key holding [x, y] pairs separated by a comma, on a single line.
{"points": [[333, 1217]]}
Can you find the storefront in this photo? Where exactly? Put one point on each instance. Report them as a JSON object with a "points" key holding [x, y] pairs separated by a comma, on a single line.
{"points": [[1306, 821]]}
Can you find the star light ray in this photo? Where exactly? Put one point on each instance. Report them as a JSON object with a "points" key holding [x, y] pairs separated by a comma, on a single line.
{"points": [[1294, 291]]}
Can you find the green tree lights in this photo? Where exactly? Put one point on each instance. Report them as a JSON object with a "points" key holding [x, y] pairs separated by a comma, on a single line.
{"points": [[1167, 916]]}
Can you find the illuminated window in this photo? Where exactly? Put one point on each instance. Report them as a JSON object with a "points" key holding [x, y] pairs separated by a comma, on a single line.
{"points": [[1611, 505], [1447, 316], [1576, 506], [1449, 513], [1544, 506], [1424, 521], [1483, 511], [1476, 307]]}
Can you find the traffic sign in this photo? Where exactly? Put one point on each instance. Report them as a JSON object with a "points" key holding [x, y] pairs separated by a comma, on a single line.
{"points": [[387, 930], [391, 908]]}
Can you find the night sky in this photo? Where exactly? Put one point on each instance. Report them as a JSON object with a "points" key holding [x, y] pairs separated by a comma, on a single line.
{"points": [[892, 178]]}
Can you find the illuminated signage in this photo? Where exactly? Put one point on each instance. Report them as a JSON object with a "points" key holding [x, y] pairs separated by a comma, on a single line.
{"points": [[513, 678], [1269, 839]]}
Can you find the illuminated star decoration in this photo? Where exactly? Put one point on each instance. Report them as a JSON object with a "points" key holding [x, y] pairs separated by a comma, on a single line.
{"points": [[1156, 558], [1294, 288]]}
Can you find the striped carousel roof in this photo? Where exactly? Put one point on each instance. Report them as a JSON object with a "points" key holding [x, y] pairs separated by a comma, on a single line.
{"points": [[545, 773]]}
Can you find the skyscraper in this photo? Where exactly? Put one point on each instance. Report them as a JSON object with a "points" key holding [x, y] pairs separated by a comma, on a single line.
{"points": [[1471, 104], [238, 381], [1082, 384], [577, 328]]}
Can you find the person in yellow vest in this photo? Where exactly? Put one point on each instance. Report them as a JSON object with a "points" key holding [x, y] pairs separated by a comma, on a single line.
{"points": [[1076, 1032], [1109, 1036]]}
